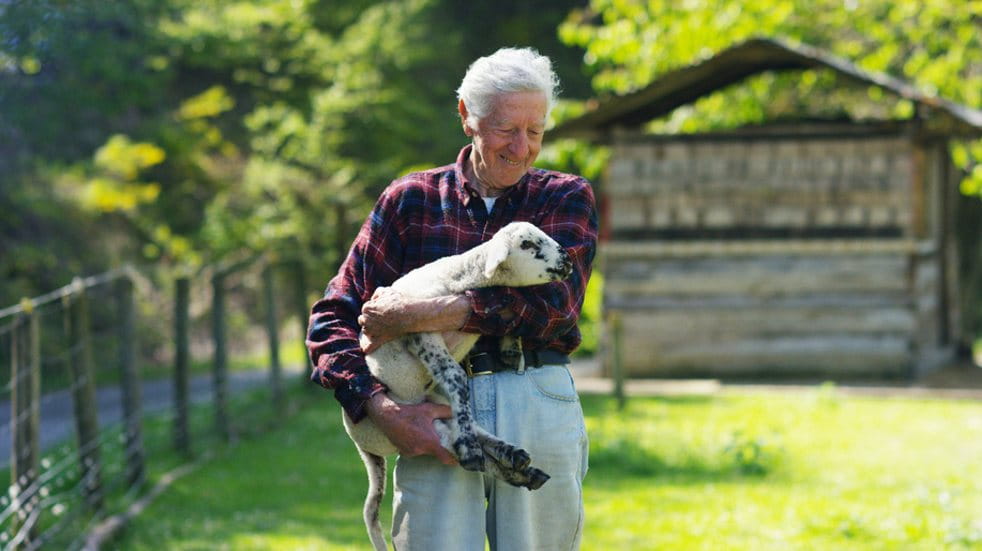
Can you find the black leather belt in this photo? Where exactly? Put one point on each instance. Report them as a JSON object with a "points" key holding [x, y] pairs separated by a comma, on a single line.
{"points": [[486, 363]]}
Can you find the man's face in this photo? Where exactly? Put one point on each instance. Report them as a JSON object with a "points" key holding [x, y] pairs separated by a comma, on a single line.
{"points": [[507, 140]]}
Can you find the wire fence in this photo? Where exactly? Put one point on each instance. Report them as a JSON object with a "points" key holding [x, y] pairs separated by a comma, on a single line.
{"points": [[119, 378]]}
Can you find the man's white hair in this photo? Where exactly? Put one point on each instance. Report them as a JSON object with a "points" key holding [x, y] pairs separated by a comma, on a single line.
{"points": [[507, 70]]}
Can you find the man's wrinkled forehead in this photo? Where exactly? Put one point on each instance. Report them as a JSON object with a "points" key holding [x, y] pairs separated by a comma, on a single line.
{"points": [[501, 116]]}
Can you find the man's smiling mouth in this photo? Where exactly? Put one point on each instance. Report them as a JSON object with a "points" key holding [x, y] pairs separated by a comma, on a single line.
{"points": [[511, 162]]}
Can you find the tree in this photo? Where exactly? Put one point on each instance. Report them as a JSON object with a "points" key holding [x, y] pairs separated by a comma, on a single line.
{"points": [[269, 124]]}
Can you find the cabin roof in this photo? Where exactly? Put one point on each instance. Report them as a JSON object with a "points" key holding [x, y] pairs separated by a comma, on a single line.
{"points": [[685, 85]]}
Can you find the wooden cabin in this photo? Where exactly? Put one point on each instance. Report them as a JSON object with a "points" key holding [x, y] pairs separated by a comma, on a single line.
{"points": [[783, 249]]}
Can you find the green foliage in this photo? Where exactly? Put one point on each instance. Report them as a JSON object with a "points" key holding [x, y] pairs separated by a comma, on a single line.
{"points": [[119, 162], [591, 315], [274, 123], [935, 44], [41, 239], [73, 72], [753, 455]]}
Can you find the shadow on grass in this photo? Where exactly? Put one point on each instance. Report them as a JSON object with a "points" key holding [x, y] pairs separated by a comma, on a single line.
{"points": [[619, 462], [600, 404], [620, 454]]}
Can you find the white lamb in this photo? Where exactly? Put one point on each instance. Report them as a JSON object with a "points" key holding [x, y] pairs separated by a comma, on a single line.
{"points": [[520, 254]]}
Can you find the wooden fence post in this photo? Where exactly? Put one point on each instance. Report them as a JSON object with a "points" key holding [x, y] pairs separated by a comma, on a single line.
{"points": [[272, 334], [220, 363], [130, 383], [25, 390], [182, 432], [83, 392], [617, 367]]}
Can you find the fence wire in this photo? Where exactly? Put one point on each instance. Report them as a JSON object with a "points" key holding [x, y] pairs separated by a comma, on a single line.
{"points": [[93, 410]]}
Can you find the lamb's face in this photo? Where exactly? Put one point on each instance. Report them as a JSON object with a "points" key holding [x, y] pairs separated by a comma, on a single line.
{"points": [[533, 257]]}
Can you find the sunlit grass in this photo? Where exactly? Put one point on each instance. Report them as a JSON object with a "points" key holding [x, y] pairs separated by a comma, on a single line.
{"points": [[798, 471], [831, 473]]}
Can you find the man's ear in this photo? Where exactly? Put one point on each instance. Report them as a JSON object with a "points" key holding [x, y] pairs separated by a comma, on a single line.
{"points": [[462, 109], [497, 254]]}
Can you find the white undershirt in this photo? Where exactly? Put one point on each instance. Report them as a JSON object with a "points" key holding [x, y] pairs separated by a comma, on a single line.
{"points": [[489, 202]]}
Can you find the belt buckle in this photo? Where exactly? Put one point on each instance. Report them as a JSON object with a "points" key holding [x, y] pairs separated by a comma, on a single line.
{"points": [[469, 367]]}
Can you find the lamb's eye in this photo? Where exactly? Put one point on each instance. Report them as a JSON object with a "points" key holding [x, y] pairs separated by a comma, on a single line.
{"points": [[527, 245]]}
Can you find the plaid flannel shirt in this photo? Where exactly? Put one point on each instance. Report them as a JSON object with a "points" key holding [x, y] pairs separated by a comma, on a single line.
{"points": [[435, 213]]}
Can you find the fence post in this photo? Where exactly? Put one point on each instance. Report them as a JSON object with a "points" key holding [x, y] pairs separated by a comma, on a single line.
{"points": [[130, 382], [83, 392], [25, 390], [617, 368], [303, 314], [220, 360], [182, 432], [272, 334]]}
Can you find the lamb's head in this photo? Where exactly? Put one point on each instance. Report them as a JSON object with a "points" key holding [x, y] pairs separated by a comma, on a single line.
{"points": [[521, 254]]}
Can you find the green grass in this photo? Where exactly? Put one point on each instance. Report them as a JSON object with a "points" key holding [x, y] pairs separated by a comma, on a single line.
{"points": [[797, 471], [65, 515]]}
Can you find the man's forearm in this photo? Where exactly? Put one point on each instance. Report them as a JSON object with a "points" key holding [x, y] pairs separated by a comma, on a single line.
{"points": [[447, 313], [391, 314]]}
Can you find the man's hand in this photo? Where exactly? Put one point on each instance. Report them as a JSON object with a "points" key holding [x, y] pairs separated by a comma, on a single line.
{"points": [[410, 427], [390, 314]]}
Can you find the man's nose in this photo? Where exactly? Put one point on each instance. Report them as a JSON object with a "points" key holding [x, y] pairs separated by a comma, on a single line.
{"points": [[519, 145]]}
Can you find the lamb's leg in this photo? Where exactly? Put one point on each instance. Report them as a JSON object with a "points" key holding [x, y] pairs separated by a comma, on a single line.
{"points": [[529, 477], [375, 465], [507, 455], [509, 463], [432, 352], [502, 460]]}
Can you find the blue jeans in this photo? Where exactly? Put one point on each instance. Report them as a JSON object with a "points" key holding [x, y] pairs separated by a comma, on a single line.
{"points": [[441, 508]]}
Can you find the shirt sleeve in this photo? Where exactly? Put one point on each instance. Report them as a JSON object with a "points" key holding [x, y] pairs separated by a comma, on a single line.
{"points": [[332, 336], [547, 311]]}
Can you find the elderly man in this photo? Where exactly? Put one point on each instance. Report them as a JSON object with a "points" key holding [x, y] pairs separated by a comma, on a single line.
{"points": [[504, 102]]}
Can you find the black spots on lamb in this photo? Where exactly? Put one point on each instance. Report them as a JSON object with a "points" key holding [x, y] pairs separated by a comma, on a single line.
{"points": [[564, 268], [535, 246]]}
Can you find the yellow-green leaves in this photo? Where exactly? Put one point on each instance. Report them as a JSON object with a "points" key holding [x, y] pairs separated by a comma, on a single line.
{"points": [[30, 65], [124, 159], [118, 163], [210, 103], [109, 195]]}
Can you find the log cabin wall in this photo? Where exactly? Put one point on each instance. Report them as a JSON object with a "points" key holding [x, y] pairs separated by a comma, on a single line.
{"points": [[801, 251]]}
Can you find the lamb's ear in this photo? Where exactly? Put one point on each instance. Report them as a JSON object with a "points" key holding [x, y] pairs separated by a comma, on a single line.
{"points": [[497, 254]]}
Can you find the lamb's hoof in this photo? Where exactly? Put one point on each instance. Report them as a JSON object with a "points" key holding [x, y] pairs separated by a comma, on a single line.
{"points": [[519, 459], [536, 479]]}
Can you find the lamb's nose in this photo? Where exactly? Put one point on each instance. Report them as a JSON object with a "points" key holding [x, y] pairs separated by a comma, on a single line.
{"points": [[566, 264]]}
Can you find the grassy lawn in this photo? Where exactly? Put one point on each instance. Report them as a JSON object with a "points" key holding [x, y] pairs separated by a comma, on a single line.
{"points": [[810, 470]]}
